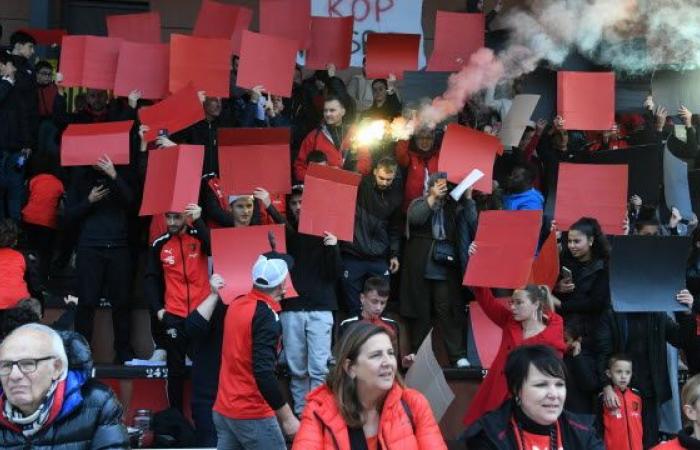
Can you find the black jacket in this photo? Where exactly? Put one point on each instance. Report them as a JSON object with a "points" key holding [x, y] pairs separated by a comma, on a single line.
{"points": [[581, 383], [104, 223], [14, 122], [377, 221], [613, 337], [591, 296], [487, 433], [90, 417], [25, 82], [204, 133], [207, 338]]}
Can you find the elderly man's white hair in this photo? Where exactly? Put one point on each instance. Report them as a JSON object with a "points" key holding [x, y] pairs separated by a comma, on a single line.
{"points": [[57, 348]]}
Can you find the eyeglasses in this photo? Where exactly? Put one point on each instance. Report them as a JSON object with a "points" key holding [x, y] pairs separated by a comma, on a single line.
{"points": [[25, 366]]}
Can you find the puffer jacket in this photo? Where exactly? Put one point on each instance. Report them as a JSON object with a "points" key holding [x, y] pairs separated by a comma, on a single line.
{"points": [[323, 427], [90, 417]]}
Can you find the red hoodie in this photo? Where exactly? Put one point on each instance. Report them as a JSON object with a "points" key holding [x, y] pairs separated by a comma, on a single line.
{"points": [[12, 269], [45, 191]]}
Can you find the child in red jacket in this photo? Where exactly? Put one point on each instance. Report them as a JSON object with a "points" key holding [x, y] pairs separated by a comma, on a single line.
{"points": [[14, 267], [622, 419]]}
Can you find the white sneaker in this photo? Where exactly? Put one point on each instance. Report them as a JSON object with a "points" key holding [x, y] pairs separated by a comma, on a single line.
{"points": [[159, 354], [188, 361], [462, 363]]}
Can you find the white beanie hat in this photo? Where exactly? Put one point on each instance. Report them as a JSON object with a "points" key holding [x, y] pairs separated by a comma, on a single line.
{"points": [[269, 272]]}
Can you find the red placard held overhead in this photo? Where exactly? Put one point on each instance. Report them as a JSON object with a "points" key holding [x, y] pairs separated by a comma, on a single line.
{"points": [[203, 61], [172, 179], [457, 36], [89, 61], [268, 61], [464, 149], [46, 36], [331, 42], [142, 27], [151, 79], [235, 251], [391, 53], [223, 21], [545, 269], [586, 100], [253, 136], [329, 198], [173, 114], [85, 144], [504, 236], [592, 190], [243, 168], [287, 18], [487, 335]]}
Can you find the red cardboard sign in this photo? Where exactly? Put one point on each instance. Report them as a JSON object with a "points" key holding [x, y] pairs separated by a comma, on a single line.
{"points": [[331, 42], [290, 19], [223, 21], [268, 61], [151, 79], [592, 190], [243, 168], [389, 53], [89, 61], [235, 251], [457, 36], [487, 335], [545, 269], [46, 36], [330, 196], [205, 62], [142, 27], [586, 100], [175, 113], [172, 179], [504, 236], [464, 149], [253, 136], [84, 144]]}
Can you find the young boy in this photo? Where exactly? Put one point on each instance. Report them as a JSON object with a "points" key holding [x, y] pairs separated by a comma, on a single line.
{"points": [[373, 298], [622, 416]]}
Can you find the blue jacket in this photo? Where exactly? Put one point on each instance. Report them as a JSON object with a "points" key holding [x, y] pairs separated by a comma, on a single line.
{"points": [[529, 200]]}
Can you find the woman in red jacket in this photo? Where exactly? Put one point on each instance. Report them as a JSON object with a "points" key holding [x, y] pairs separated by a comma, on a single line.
{"points": [[688, 438], [419, 156], [529, 319], [363, 404]]}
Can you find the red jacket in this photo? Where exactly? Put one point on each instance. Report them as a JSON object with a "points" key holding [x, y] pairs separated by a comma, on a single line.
{"points": [[179, 263], [45, 191], [13, 288], [673, 444], [323, 427], [319, 139], [622, 428], [419, 167], [493, 391], [239, 396]]}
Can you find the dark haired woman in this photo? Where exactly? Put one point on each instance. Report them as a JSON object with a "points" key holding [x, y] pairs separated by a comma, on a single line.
{"points": [[363, 404], [535, 417]]}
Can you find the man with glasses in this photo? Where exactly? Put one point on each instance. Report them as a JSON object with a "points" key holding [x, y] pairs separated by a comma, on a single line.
{"points": [[46, 404]]}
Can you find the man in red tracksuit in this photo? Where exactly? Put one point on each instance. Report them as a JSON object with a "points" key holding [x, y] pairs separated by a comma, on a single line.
{"points": [[250, 402], [622, 424], [176, 282]]}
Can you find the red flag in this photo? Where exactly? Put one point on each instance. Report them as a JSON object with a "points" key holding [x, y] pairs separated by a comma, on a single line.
{"points": [[246, 167], [46, 36], [290, 19], [173, 114], [142, 27], [89, 61], [331, 42], [235, 251], [464, 149], [329, 199], [592, 190], [203, 61], [253, 136], [545, 269], [389, 53], [504, 236], [84, 144], [151, 79], [268, 61], [172, 179], [457, 36], [223, 21], [586, 100]]}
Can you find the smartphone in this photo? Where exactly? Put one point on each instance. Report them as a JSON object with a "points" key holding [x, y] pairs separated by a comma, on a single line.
{"points": [[566, 273]]}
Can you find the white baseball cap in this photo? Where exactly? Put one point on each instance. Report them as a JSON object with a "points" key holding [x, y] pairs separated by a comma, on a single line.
{"points": [[269, 272]]}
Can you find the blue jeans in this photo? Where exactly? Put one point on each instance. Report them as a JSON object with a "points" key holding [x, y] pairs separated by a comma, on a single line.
{"points": [[248, 434], [11, 186], [306, 336], [356, 271]]}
